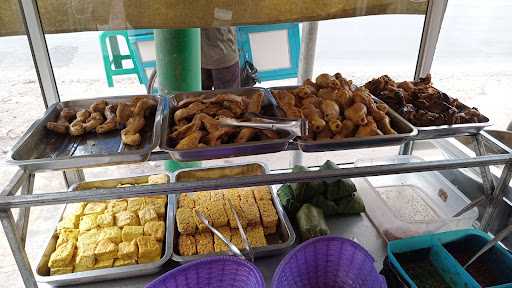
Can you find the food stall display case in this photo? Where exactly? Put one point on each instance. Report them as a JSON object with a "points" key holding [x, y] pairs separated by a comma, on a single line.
{"points": [[360, 229]]}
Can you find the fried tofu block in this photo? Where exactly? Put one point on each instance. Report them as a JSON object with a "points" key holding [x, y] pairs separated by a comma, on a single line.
{"points": [[201, 227], [250, 209], [105, 219], [236, 239], [95, 208], [202, 198], [268, 214], [155, 229], [186, 201], [147, 214], [81, 268], [158, 204], [88, 237], [74, 209], [219, 245], [135, 204], [256, 236], [124, 262], [62, 256], [185, 219], [102, 264], [232, 194], [85, 255], [245, 192], [118, 205], [231, 216], [69, 222], [130, 233], [204, 242], [88, 222], [158, 179], [105, 249], [217, 214], [217, 195], [262, 193], [186, 245], [144, 260], [148, 247], [61, 271], [111, 233], [126, 218], [128, 250], [66, 235]]}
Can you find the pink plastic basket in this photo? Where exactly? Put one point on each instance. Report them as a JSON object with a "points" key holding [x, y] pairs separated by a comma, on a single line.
{"points": [[327, 262]]}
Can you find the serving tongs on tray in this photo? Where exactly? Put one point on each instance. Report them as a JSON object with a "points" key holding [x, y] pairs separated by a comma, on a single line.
{"points": [[296, 127], [500, 236]]}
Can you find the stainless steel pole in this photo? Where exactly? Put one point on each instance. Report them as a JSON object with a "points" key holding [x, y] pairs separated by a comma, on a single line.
{"points": [[24, 213]]}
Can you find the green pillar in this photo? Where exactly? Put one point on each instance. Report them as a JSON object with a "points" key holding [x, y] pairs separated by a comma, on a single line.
{"points": [[178, 62]]}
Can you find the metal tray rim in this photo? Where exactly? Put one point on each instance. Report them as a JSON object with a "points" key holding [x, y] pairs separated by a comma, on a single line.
{"points": [[118, 157], [275, 199], [110, 273]]}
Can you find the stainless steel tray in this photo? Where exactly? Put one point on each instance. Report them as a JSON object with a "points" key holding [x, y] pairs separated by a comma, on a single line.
{"points": [[404, 129], [452, 130], [269, 108], [42, 272], [284, 238], [41, 149]]}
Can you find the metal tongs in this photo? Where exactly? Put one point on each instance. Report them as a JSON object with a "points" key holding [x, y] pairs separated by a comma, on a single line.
{"points": [[500, 236], [296, 127]]}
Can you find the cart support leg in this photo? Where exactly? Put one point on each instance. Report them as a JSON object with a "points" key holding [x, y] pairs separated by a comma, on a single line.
{"points": [[485, 171], [18, 251], [497, 197], [24, 213]]}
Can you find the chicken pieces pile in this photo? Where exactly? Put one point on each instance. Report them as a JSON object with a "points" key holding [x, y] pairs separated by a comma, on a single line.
{"points": [[422, 104], [334, 110], [103, 117], [196, 121]]}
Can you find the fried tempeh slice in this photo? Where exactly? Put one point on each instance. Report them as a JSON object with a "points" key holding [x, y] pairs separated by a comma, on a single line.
{"points": [[204, 242]]}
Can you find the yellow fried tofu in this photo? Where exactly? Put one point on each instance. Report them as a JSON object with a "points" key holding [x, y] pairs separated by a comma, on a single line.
{"points": [[157, 203], [219, 245], [128, 250], [88, 222], [217, 195], [130, 233], [144, 260], [250, 209], [232, 194], [62, 256], [74, 209], [124, 262], [66, 235], [186, 245], [147, 214], [231, 216], [135, 204], [95, 208], [202, 198], [217, 214], [158, 179], [105, 219], [88, 237], [105, 249], [118, 205], [185, 220], [85, 255], [102, 264], [186, 200], [262, 193], [204, 242], [81, 268], [111, 233], [61, 271], [201, 227], [256, 236], [236, 239], [126, 218], [69, 222], [269, 216], [155, 229], [148, 247]]}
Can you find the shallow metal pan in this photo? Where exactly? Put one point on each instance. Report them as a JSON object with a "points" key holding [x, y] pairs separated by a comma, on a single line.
{"points": [[404, 129], [269, 108], [42, 271], [452, 130], [42, 149], [282, 240]]}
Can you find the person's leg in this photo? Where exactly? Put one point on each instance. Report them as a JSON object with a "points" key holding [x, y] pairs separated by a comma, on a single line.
{"points": [[227, 77], [206, 79]]}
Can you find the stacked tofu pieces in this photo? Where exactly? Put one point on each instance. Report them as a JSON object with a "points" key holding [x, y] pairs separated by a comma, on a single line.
{"points": [[253, 205], [114, 233]]}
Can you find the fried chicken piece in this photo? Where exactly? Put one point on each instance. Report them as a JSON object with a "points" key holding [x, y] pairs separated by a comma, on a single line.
{"points": [[347, 129], [191, 110], [302, 92], [130, 135], [189, 100], [325, 80], [98, 106], [94, 121], [357, 114], [284, 98], [345, 84], [111, 122], [314, 117], [210, 123], [213, 109], [335, 125], [368, 129], [330, 109], [123, 112], [325, 134], [132, 139], [83, 115], [245, 135], [221, 98], [219, 136], [182, 132], [191, 141], [313, 100], [234, 108], [385, 125], [62, 123], [76, 128], [255, 102], [143, 106]]}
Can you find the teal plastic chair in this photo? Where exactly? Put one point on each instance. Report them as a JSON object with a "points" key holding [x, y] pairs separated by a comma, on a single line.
{"points": [[113, 59]]}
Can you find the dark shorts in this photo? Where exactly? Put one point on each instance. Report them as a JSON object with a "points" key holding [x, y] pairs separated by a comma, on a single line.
{"points": [[222, 78]]}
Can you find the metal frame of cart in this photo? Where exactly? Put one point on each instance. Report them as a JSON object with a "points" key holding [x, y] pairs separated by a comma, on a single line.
{"points": [[23, 180]]}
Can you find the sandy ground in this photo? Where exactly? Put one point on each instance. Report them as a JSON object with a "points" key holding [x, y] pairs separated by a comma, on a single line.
{"points": [[475, 68]]}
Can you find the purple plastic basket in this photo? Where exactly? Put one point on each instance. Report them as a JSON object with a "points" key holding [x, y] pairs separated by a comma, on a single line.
{"points": [[212, 272], [328, 262]]}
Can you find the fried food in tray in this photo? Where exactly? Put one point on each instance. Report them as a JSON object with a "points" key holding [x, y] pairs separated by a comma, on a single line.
{"points": [[422, 104], [335, 109], [196, 122], [255, 210], [102, 117]]}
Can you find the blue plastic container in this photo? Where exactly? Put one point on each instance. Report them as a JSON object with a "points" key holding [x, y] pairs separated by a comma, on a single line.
{"points": [[442, 249]]}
